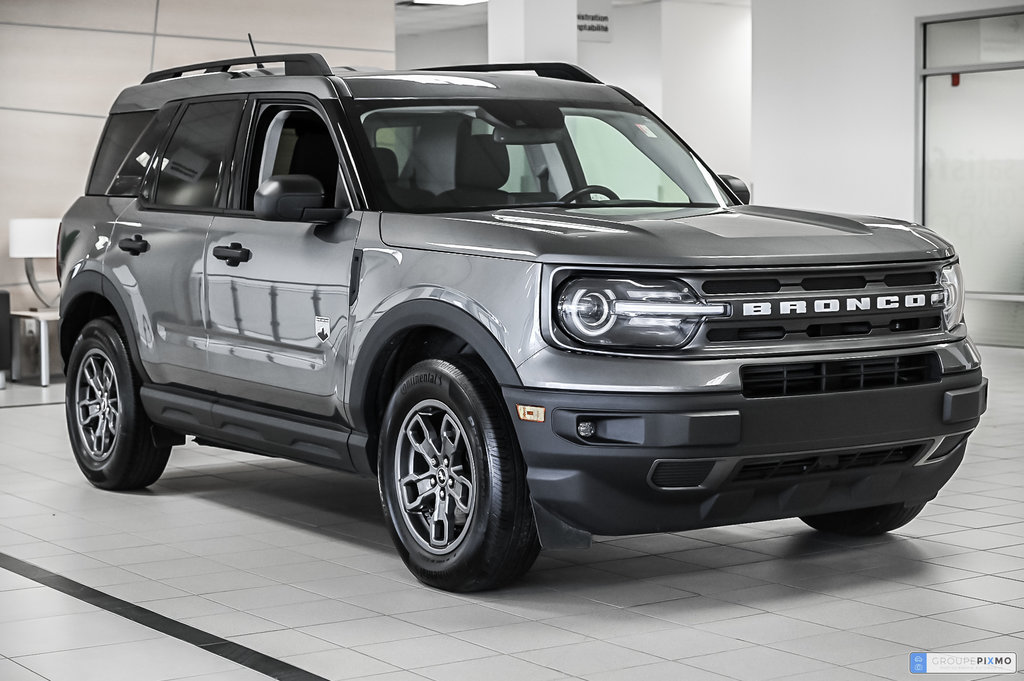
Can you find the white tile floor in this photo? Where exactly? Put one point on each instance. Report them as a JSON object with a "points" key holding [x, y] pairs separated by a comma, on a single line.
{"points": [[294, 562]]}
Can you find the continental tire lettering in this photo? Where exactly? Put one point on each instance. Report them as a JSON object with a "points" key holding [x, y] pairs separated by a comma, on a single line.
{"points": [[433, 379]]}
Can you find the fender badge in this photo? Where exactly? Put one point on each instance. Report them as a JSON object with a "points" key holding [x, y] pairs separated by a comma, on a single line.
{"points": [[322, 326]]}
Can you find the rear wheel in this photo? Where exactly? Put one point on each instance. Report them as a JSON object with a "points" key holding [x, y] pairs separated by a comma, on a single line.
{"points": [[111, 435], [864, 522], [452, 481]]}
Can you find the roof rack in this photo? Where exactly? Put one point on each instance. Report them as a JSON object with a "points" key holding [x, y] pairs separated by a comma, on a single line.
{"points": [[553, 69], [310, 64]]}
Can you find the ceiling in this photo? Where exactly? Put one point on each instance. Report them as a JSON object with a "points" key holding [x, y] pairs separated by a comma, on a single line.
{"points": [[411, 19]]}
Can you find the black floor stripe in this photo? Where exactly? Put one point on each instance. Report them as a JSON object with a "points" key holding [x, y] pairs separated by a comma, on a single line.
{"points": [[247, 657]]}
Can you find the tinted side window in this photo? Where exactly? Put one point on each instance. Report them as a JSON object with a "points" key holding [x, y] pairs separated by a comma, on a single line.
{"points": [[118, 137], [129, 176], [292, 141], [193, 166]]}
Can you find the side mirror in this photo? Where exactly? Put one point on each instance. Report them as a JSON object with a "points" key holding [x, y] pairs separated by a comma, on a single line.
{"points": [[738, 187], [294, 198]]}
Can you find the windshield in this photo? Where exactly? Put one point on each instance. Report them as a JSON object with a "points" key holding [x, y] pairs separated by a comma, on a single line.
{"points": [[479, 155]]}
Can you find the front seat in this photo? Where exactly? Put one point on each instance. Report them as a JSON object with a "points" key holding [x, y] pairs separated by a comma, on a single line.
{"points": [[405, 197], [481, 168]]}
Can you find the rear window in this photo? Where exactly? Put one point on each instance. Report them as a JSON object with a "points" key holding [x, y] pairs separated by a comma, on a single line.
{"points": [[118, 137]]}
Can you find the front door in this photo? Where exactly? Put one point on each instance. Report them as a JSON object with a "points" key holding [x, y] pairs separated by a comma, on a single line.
{"points": [[277, 292]]}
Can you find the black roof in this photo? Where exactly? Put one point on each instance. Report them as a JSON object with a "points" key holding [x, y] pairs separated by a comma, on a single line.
{"points": [[309, 73]]}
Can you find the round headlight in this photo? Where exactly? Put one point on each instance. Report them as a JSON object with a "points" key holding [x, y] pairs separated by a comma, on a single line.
{"points": [[657, 314], [590, 311]]}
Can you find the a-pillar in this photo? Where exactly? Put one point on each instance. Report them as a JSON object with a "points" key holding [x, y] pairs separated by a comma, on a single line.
{"points": [[531, 30]]}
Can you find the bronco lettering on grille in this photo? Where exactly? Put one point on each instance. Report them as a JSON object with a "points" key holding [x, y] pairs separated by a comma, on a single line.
{"points": [[879, 303]]}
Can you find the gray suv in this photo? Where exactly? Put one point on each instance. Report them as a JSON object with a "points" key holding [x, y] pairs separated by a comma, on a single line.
{"points": [[517, 299]]}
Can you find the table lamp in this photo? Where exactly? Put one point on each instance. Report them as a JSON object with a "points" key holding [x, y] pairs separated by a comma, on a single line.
{"points": [[34, 238]]}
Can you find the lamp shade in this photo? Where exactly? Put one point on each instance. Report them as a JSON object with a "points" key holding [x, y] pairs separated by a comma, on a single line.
{"points": [[33, 237]]}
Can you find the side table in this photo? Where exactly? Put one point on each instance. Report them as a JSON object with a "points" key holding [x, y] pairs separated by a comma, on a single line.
{"points": [[43, 319]]}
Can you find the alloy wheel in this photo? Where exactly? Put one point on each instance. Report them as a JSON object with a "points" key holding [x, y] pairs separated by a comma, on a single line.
{"points": [[97, 405], [436, 477]]}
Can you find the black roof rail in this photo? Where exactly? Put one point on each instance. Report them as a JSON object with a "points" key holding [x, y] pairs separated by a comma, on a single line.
{"points": [[310, 64], [551, 69]]}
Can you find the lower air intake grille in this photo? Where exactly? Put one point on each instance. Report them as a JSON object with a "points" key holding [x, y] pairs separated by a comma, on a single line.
{"points": [[680, 473], [771, 468], [809, 378]]}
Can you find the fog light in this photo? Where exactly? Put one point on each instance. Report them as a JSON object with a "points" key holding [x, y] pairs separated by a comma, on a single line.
{"points": [[586, 428]]}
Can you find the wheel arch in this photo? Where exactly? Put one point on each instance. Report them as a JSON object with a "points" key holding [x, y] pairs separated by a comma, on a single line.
{"points": [[87, 296], [406, 334]]}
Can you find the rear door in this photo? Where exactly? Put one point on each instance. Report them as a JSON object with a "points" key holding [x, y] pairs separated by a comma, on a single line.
{"points": [[278, 292], [156, 254]]}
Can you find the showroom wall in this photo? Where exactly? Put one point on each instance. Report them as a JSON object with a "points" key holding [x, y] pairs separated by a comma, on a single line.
{"points": [[688, 61], [466, 45], [834, 102], [64, 62]]}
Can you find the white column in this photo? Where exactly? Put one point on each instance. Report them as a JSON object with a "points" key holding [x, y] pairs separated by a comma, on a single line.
{"points": [[531, 30]]}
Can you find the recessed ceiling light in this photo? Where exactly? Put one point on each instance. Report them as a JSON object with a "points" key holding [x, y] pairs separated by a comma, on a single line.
{"points": [[447, 2]]}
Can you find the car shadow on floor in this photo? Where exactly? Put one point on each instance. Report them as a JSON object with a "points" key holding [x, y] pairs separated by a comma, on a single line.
{"points": [[712, 562]]}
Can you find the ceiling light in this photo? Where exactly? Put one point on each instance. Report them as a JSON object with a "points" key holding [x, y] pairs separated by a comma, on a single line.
{"points": [[447, 2]]}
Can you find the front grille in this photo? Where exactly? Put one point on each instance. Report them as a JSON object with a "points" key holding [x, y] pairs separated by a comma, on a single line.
{"points": [[810, 378], [868, 283], [774, 468], [825, 281], [678, 473]]}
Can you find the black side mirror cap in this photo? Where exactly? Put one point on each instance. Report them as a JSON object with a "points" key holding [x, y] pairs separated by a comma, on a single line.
{"points": [[738, 187], [294, 198]]}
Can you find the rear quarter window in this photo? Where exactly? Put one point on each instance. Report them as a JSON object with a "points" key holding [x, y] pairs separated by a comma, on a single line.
{"points": [[119, 136]]}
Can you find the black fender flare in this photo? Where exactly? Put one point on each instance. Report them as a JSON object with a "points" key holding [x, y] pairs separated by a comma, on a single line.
{"points": [[409, 316], [95, 283]]}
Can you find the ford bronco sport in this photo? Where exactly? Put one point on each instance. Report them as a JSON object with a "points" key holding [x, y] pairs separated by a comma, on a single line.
{"points": [[517, 299]]}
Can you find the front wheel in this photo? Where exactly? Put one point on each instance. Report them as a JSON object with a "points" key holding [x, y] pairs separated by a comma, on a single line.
{"points": [[865, 522], [111, 435], [452, 481]]}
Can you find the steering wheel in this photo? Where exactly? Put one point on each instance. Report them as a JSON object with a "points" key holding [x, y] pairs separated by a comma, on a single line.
{"points": [[589, 189]]}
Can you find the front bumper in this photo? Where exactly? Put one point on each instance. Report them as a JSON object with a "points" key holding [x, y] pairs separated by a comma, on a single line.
{"points": [[671, 462]]}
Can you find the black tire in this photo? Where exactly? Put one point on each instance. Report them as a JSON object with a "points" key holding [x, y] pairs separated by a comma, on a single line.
{"points": [[865, 522], [110, 433], [462, 519]]}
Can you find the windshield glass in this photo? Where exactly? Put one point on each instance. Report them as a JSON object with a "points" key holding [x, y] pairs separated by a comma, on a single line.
{"points": [[478, 155]]}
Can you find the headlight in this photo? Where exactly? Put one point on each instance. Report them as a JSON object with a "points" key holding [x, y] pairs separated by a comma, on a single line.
{"points": [[631, 313], [952, 280]]}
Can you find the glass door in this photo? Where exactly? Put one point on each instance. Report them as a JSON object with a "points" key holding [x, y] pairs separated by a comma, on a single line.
{"points": [[974, 163]]}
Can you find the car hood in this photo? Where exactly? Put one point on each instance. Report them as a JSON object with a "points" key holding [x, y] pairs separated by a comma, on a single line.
{"points": [[690, 237]]}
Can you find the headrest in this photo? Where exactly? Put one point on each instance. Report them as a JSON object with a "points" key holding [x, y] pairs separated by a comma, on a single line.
{"points": [[480, 162], [387, 162]]}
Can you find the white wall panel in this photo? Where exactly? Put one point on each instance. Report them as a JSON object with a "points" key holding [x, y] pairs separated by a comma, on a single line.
{"points": [[834, 102], [456, 46], [58, 69], [352, 23], [706, 81], [44, 170], [109, 15], [172, 51]]}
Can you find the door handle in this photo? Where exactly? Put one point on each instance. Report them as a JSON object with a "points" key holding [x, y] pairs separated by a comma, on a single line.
{"points": [[233, 254], [134, 246]]}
